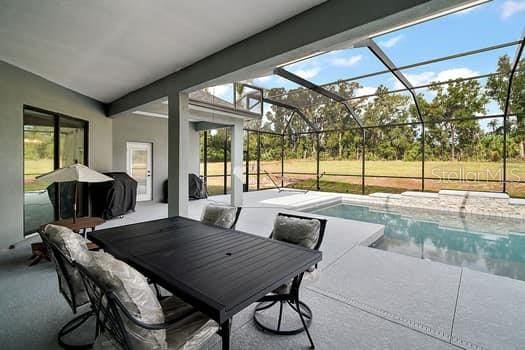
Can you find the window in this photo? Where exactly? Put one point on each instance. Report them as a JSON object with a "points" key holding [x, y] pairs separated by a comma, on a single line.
{"points": [[51, 141]]}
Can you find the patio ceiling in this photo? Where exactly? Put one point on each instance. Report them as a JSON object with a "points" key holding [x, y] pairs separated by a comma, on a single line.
{"points": [[106, 49]]}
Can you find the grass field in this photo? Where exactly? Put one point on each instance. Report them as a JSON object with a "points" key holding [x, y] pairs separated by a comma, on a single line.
{"points": [[33, 168], [439, 175]]}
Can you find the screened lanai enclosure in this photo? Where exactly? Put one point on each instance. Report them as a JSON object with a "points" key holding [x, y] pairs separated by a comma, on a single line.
{"points": [[427, 107]]}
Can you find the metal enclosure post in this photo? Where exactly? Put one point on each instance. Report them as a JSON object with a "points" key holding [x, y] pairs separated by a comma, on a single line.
{"points": [[318, 160], [363, 162], [247, 161], [225, 161], [515, 64], [422, 157], [205, 155], [258, 160], [381, 56], [504, 189], [282, 160]]}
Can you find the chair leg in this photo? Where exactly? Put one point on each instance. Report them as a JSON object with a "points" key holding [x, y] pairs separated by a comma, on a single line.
{"points": [[305, 311], [304, 323], [70, 327], [280, 316]]}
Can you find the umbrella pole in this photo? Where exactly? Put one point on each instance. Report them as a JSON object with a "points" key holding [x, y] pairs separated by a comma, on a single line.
{"points": [[75, 203]]}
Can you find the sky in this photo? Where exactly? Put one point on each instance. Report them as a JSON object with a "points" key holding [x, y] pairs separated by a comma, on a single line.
{"points": [[484, 25]]}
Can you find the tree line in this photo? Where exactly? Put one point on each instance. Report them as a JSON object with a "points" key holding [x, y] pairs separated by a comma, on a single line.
{"points": [[451, 132]]}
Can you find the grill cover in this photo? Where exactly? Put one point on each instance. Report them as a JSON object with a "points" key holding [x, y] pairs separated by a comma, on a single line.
{"points": [[197, 189], [114, 198]]}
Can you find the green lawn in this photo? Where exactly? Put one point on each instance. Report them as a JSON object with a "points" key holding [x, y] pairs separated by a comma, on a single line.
{"points": [[450, 174], [33, 168], [438, 174], [343, 187], [433, 169], [38, 166]]}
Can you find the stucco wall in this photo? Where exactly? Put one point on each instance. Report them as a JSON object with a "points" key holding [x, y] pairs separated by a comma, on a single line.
{"points": [[19, 88], [136, 128]]}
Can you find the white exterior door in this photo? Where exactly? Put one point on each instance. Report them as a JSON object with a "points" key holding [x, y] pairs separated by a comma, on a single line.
{"points": [[139, 160]]}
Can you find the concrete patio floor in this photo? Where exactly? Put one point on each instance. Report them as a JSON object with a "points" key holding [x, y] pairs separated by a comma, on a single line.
{"points": [[366, 298]]}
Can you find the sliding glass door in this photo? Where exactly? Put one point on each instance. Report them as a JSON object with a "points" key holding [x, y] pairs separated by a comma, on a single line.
{"points": [[51, 141]]}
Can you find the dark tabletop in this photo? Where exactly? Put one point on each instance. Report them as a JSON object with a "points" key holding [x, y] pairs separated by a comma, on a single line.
{"points": [[80, 223], [219, 271]]}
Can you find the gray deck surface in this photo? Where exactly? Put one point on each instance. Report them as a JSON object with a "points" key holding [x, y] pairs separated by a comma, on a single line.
{"points": [[365, 299]]}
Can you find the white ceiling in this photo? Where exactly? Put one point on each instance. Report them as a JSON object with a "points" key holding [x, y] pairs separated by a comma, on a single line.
{"points": [[105, 49]]}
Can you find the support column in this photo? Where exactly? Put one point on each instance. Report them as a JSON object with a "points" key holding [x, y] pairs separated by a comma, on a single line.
{"points": [[178, 153], [236, 163], [194, 157]]}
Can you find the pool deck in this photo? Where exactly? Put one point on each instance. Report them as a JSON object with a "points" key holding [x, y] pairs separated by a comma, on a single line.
{"points": [[458, 306], [366, 298]]}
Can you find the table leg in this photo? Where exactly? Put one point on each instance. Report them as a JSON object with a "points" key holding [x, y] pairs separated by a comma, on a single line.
{"points": [[225, 334], [36, 260]]}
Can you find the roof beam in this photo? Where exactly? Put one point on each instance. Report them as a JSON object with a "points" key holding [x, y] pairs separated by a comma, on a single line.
{"points": [[201, 126], [283, 73], [381, 56], [335, 21], [293, 108], [319, 89]]}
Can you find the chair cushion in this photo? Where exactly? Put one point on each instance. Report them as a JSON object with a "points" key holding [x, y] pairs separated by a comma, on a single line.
{"points": [[135, 294], [194, 328], [74, 247], [190, 333], [303, 232], [219, 215]]}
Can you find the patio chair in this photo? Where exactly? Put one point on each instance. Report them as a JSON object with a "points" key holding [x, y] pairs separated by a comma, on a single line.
{"points": [[64, 247], [281, 179], [130, 317], [221, 215], [307, 232]]}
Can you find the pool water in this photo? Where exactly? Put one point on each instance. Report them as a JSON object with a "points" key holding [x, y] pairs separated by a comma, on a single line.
{"points": [[482, 243]]}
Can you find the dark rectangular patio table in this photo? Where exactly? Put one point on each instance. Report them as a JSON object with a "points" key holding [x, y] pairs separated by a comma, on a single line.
{"points": [[218, 271]]}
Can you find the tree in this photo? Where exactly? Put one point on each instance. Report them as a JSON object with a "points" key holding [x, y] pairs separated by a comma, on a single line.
{"points": [[390, 143], [497, 88], [447, 112]]}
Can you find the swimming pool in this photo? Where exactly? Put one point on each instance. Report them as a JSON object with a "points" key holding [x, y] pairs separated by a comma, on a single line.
{"points": [[483, 243]]}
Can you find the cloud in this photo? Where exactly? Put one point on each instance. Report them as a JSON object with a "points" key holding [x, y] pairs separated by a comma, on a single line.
{"points": [[346, 62], [511, 7], [307, 73], [424, 78], [391, 42], [455, 73]]}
